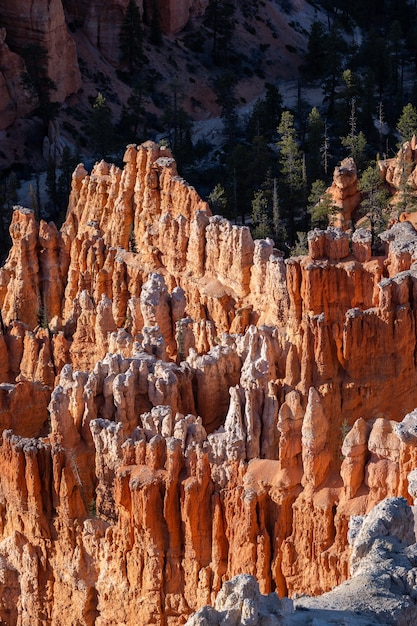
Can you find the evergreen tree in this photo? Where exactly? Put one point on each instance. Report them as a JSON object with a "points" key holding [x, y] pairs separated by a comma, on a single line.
{"points": [[265, 114], [101, 128], [396, 49], [381, 123], [279, 233], [315, 132], [320, 205], [337, 50], [225, 89], [133, 120], [300, 248], [245, 172], [325, 150], [220, 19], [374, 55], [261, 224], [316, 59], [177, 124], [291, 168], [131, 38], [375, 200], [217, 200], [407, 123], [407, 195], [38, 80], [355, 142]]}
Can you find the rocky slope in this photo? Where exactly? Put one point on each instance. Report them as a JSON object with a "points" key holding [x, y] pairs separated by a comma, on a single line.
{"points": [[179, 404], [81, 55]]}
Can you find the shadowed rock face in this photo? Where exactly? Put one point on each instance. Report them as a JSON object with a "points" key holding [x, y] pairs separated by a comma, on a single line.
{"points": [[41, 25], [180, 405], [15, 99]]}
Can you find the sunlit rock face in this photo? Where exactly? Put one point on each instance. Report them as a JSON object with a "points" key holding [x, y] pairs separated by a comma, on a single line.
{"points": [[180, 405], [380, 590]]}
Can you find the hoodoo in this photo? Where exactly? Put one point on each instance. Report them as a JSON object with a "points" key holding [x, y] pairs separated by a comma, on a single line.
{"points": [[180, 405]]}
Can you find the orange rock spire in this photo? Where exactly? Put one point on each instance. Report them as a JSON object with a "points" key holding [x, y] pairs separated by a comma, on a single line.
{"points": [[179, 404]]}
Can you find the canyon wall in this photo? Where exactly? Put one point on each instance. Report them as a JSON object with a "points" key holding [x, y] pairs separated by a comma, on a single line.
{"points": [[38, 31], [15, 99], [102, 23], [179, 404], [40, 25]]}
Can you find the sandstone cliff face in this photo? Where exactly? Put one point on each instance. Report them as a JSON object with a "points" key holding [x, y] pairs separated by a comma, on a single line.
{"points": [[381, 590], [102, 23], [15, 99], [42, 24], [344, 192], [199, 407]]}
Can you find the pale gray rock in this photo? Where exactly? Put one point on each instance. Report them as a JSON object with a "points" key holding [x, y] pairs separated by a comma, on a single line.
{"points": [[382, 588], [240, 603]]}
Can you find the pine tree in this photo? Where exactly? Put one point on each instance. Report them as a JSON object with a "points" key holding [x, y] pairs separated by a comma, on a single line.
{"points": [[315, 131], [407, 123], [177, 124], [375, 200], [265, 114], [225, 87], [217, 200], [325, 150], [316, 59], [407, 195], [291, 168], [395, 46], [261, 224], [39, 82], [131, 38], [355, 142], [219, 18], [381, 122], [133, 120], [320, 205], [101, 129]]}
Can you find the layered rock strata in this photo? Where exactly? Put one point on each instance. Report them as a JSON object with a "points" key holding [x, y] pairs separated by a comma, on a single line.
{"points": [[199, 406]]}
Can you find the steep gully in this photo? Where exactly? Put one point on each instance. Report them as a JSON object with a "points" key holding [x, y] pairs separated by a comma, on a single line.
{"points": [[179, 404]]}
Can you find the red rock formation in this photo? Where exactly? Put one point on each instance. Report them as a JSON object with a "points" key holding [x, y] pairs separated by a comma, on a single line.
{"points": [[213, 409], [174, 15], [102, 23], [15, 99], [42, 23], [344, 192]]}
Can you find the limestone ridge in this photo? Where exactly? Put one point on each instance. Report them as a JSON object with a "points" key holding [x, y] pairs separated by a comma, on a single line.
{"points": [[179, 404]]}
